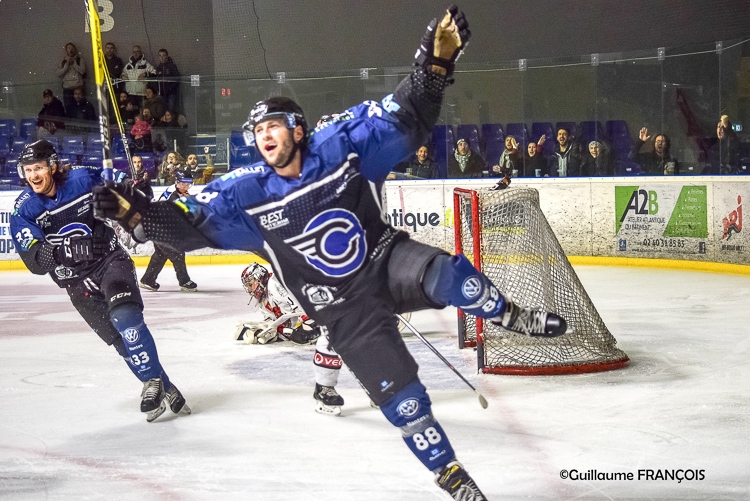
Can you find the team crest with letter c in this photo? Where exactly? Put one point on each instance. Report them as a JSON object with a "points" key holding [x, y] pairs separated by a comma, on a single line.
{"points": [[333, 242]]}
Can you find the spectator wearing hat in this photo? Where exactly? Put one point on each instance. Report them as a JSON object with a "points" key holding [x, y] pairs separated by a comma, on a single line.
{"points": [[598, 161], [52, 117], [162, 252], [464, 162]]}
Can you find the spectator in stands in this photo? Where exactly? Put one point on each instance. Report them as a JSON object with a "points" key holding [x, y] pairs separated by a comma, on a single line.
{"points": [[154, 103], [52, 116], [142, 179], [114, 65], [168, 80], [724, 155], [464, 162], [71, 71], [509, 161], [147, 117], [136, 72], [659, 160], [167, 169], [420, 165], [599, 160], [534, 163], [80, 110], [128, 110], [140, 136], [205, 175], [567, 159]]}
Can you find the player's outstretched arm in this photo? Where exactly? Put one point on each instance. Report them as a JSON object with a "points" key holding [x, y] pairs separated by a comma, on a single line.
{"points": [[420, 94], [163, 222]]}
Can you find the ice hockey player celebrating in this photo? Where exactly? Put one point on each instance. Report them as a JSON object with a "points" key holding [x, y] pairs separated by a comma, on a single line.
{"points": [[56, 233], [274, 302], [312, 207]]}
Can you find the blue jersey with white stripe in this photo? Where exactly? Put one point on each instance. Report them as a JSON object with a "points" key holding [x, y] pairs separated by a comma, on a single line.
{"points": [[38, 218], [319, 231]]}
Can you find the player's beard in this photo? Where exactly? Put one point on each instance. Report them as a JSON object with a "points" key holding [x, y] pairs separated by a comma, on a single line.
{"points": [[286, 151]]}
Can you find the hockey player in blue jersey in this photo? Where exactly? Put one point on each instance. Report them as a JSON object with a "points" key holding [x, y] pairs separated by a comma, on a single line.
{"points": [[313, 209], [54, 231]]}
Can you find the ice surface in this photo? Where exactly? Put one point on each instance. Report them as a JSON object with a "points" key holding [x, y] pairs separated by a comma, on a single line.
{"points": [[70, 427]]}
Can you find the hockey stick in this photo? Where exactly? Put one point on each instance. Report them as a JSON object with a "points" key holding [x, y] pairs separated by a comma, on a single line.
{"points": [[482, 400], [103, 81]]}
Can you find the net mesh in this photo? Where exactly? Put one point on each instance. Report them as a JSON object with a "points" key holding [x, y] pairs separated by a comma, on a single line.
{"points": [[521, 255]]}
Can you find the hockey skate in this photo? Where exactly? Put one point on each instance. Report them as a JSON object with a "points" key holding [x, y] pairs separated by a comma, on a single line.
{"points": [[149, 287], [189, 286], [176, 401], [327, 400], [455, 480], [152, 399], [531, 321]]}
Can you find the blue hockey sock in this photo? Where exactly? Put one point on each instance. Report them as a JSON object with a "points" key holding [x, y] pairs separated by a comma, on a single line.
{"points": [[410, 410], [452, 280], [139, 344]]}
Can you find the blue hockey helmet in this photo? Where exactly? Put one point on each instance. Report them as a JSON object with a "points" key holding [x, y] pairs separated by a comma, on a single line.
{"points": [[183, 177], [275, 107]]}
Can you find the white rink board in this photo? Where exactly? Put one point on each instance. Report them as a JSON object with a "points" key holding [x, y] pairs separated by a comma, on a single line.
{"points": [[663, 219]]}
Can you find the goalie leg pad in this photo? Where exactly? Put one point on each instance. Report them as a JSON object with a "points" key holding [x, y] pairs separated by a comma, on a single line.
{"points": [[453, 280], [141, 348], [410, 410]]}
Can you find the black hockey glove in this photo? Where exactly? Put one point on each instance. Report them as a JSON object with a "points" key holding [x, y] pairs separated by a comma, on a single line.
{"points": [[76, 250], [122, 203], [443, 42]]}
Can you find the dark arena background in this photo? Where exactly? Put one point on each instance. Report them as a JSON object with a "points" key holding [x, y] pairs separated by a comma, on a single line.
{"points": [[653, 64]]}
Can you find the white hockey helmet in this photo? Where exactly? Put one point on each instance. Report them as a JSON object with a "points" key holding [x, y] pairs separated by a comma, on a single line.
{"points": [[255, 281]]}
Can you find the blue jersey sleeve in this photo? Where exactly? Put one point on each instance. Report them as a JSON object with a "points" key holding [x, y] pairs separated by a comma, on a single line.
{"points": [[215, 215], [374, 133], [24, 229]]}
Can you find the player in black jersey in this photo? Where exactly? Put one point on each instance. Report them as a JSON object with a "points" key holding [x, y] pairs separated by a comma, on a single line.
{"points": [[55, 232], [312, 208]]}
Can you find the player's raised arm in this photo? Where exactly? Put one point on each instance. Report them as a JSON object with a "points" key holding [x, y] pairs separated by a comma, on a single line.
{"points": [[385, 133], [421, 93]]}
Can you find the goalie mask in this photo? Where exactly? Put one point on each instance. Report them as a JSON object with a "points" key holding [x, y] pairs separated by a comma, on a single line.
{"points": [[275, 107], [255, 281]]}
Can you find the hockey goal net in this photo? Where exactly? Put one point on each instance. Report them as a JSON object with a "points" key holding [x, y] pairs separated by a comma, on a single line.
{"points": [[506, 236]]}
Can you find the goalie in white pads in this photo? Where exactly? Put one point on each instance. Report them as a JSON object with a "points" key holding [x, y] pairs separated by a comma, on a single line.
{"points": [[285, 320]]}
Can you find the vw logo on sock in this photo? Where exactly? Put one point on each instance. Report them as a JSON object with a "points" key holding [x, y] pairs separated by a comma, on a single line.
{"points": [[131, 335], [471, 287]]}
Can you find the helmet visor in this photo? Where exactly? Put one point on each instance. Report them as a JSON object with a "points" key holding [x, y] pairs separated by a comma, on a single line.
{"points": [[248, 128]]}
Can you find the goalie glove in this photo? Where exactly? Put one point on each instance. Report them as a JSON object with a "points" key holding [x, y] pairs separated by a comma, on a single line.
{"points": [[122, 203], [443, 43]]}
